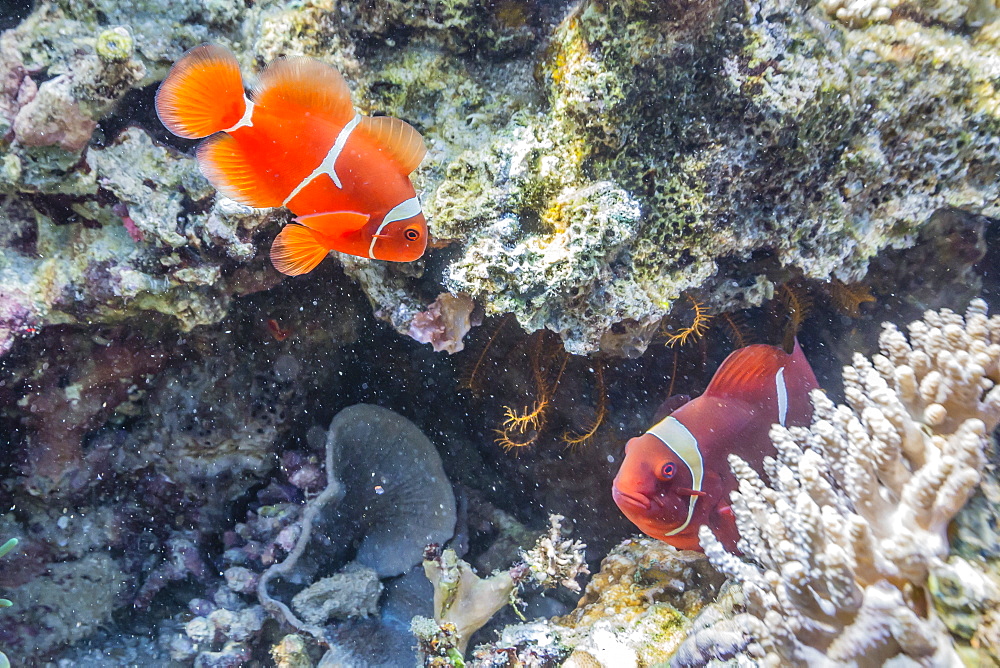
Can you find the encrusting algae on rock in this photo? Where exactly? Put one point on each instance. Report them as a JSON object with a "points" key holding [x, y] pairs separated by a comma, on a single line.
{"points": [[634, 612], [570, 206]]}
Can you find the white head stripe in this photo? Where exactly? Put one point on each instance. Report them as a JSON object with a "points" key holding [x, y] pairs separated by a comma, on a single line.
{"points": [[247, 120], [676, 436], [329, 163], [779, 381], [405, 209]]}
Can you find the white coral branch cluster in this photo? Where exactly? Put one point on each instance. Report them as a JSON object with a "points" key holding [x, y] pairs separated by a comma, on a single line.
{"points": [[556, 561], [856, 510], [859, 13]]}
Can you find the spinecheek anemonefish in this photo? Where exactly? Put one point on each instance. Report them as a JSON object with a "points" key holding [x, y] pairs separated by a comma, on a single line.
{"points": [[676, 476], [296, 141]]}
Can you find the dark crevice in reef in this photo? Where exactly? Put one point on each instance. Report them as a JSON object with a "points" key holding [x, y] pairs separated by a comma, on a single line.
{"points": [[138, 108], [13, 12]]}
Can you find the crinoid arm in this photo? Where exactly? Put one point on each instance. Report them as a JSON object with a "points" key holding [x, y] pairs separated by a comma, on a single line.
{"points": [[526, 420], [848, 297], [700, 320], [573, 439]]}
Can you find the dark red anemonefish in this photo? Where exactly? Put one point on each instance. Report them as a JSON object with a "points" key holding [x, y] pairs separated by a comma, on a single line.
{"points": [[296, 141], [676, 476]]}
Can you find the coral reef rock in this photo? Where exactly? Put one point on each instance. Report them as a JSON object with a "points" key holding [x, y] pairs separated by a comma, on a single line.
{"points": [[854, 519], [804, 140], [220, 637], [777, 136], [635, 612], [353, 592], [68, 603], [212, 426]]}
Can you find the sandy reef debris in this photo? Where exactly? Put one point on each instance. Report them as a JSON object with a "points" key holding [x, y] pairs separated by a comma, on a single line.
{"points": [[635, 612]]}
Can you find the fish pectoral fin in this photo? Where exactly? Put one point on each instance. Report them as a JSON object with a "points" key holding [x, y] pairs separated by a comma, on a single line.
{"points": [[334, 223], [684, 491], [304, 85], [296, 250], [397, 138]]}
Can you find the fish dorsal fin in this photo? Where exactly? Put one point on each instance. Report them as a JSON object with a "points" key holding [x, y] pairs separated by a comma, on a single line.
{"points": [[296, 250], [397, 138], [305, 84], [749, 372], [235, 174]]}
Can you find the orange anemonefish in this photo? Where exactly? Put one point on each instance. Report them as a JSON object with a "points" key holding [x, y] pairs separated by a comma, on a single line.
{"points": [[297, 142], [676, 476]]}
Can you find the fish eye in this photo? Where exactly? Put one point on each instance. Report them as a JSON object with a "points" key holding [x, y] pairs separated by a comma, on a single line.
{"points": [[412, 233], [668, 470]]}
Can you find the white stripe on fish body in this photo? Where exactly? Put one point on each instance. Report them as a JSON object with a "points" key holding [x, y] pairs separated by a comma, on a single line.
{"points": [[682, 442], [247, 120], [328, 165], [405, 209], [779, 383]]}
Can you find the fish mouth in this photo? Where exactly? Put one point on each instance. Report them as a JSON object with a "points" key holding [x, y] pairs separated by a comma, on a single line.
{"points": [[632, 499]]}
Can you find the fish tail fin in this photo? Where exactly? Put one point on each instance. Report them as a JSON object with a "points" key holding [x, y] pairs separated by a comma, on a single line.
{"points": [[296, 250], [202, 94]]}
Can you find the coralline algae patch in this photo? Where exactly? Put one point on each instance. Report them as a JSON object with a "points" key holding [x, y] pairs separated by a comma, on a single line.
{"points": [[638, 609]]}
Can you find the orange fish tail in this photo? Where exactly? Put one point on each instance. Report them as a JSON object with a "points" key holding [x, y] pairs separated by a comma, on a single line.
{"points": [[202, 94], [296, 250]]}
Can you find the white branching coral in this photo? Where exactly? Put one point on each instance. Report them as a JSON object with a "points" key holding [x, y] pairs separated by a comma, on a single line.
{"points": [[855, 515], [954, 13], [556, 561], [859, 13]]}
